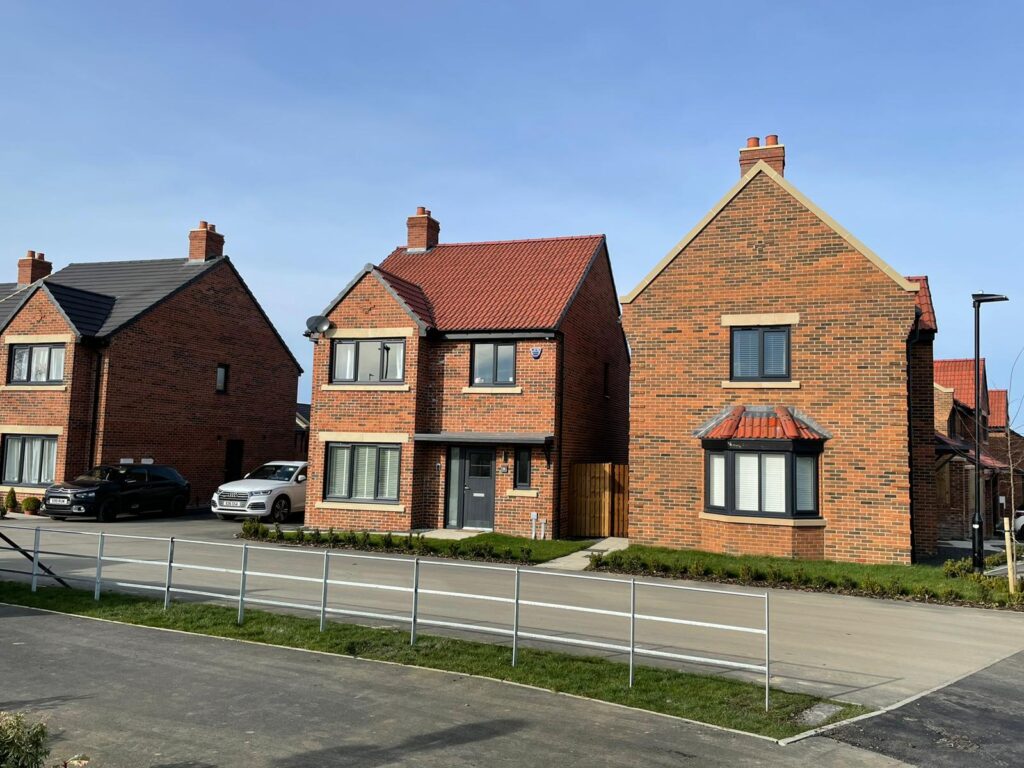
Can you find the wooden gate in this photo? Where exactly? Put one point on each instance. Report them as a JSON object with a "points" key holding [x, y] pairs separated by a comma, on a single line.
{"points": [[599, 500]]}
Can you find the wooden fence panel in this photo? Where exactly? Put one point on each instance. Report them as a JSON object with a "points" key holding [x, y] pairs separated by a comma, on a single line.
{"points": [[599, 500]]}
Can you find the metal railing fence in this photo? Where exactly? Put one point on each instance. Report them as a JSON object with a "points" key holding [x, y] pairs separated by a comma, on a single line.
{"points": [[413, 618]]}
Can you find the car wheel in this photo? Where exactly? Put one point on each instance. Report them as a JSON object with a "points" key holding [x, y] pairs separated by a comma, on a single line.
{"points": [[231, 518], [281, 509], [108, 511], [178, 505]]}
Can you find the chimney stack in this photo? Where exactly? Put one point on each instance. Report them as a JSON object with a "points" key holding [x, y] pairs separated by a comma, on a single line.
{"points": [[33, 267], [772, 153], [424, 231], [205, 243]]}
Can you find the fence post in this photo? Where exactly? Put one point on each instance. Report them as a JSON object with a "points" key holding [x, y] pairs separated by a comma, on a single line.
{"points": [[241, 584], [99, 569], [35, 560], [415, 598], [515, 622], [323, 592], [167, 579], [632, 627], [767, 653]]}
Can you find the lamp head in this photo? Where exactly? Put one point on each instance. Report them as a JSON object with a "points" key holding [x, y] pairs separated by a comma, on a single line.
{"points": [[985, 298]]}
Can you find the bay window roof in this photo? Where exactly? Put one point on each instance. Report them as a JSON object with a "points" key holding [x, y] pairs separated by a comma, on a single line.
{"points": [[761, 422]]}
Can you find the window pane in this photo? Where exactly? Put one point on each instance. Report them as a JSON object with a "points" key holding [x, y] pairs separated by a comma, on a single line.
{"points": [[56, 363], [49, 464], [776, 353], [365, 475], [222, 378], [21, 358], [344, 361], [745, 354], [369, 361], [40, 363], [394, 360], [12, 460], [523, 468], [454, 485], [479, 465], [337, 478], [746, 482], [33, 459], [773, 482], [717, 479], [387, 483], [506, 364], [805, 466], [483, 363]]}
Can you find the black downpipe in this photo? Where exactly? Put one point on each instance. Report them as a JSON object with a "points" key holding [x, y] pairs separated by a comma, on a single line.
{"points": [[94, 427], [914, 337]]}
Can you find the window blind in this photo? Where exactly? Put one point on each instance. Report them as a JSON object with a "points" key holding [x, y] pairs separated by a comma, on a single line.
{"points": [[337, 483], [365, 474], [773, 482], [805, 466], [745, 353], [387, 483], [747, 482], [717, 484], [775, 352]]}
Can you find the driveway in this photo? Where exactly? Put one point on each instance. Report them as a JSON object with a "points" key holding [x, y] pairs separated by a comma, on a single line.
{"points": [[132, 697], [872, 652]]}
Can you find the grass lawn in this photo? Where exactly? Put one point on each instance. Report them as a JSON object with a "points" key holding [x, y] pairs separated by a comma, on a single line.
{"points": [[483, 546], [952, 583], [705, 698]]}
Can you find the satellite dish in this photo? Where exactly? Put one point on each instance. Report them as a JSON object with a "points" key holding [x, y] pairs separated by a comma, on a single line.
{"points": [[318, 324]]}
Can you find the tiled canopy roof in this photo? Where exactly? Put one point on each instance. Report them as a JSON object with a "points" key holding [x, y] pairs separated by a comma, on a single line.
{"points": [[997, 409], [947, 445], [761, 422], [924, 303], [509, 285], [958, 375]]}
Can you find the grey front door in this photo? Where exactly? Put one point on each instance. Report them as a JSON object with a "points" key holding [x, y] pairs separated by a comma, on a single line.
{"points": [[478, 489]]}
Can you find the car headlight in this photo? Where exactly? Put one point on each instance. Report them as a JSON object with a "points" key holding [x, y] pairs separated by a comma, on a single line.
{"points": [[260, 493], [86, 495]]}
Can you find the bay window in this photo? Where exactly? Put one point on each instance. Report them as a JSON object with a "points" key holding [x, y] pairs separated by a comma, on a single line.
{"points": [[29, 459], [360, 472], [761, 480]]}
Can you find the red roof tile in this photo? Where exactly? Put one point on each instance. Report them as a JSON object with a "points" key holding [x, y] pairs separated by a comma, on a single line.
{"points": [[958, 375], [759, 423], [998, 412], [412, 295], [924, 302], [510, 285]]}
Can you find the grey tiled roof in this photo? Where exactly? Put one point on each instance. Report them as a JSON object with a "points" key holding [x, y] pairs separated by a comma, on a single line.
{"points": [[100, 297]]}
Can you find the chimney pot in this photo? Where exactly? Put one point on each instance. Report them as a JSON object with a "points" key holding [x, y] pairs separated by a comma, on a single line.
{"points": [[41, 256], [423, 230], [771, 140], [203, 225], [33, 267], [30, 255], [205, 243], [753, 141], [772, 153]]}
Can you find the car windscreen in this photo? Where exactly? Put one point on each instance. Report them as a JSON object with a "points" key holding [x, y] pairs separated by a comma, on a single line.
{"points": [[280, 472], [99, 473]]}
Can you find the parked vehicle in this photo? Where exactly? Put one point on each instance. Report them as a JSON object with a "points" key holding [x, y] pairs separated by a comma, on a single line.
{"points": [[275, 491], [104, 492]]}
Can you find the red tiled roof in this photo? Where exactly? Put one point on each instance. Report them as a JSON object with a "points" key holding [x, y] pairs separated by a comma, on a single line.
{"points": [[958, 375], [742, 423], [924, 302], [412, 295], [997, 409], [510, 285]]}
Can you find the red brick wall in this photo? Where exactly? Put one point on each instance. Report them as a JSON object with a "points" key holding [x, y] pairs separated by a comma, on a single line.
{"points": [[595, 425], [766, 252], [159, 394]]}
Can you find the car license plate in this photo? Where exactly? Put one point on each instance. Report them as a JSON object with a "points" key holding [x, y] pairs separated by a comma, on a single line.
{"points": [[58, 501], [231, 504]]}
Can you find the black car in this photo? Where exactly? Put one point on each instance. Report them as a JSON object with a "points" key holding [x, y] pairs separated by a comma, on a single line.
{"points": [[105, 492]]}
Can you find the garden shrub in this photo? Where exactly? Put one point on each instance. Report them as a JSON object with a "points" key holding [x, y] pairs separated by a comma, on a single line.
{"points": [[387, 541], [596, 560], [31, 504], [10, 502], [525, 553], [994, 561], [22, 745], [957, 569]]}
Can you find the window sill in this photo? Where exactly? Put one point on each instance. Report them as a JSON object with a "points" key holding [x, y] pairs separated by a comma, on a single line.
{"points": [[492, 390], [364, 387], [760, 385], [362, 506], [784, 522], [524, 493], [34, 387]]}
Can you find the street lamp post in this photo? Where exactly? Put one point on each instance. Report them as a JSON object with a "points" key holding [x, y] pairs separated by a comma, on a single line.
{"points": [[977, 530]]}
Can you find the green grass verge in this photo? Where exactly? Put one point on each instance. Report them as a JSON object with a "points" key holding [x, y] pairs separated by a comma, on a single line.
{"points": [[495, 547], [951, 583], [705, 698]]}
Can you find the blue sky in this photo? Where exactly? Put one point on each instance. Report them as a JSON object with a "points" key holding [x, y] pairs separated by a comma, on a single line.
{"points": [[308, 132]]}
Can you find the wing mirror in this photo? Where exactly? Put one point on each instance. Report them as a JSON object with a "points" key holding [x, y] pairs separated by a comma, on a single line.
{"points": [[300, 479], [246, 475]]}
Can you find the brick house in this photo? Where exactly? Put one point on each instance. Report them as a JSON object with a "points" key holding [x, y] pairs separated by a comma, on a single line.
{"points": [[165, 359], [458, 383], [955, 463], [1007, 446], [781, 386]]}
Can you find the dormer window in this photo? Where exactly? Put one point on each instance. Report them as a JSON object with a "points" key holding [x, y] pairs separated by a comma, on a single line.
{"points": [[377, 361], [760, 354]]}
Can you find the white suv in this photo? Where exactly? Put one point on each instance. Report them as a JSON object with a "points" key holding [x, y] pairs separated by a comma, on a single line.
{"points": [[274, 491]]}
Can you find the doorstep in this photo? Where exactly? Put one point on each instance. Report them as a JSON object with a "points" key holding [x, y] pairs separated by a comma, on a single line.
{"points": [[450, 534], [578, 561]]}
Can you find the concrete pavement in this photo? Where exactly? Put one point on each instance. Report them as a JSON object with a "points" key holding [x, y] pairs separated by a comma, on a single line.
{"points": [[132, 697], [873, 652]]}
